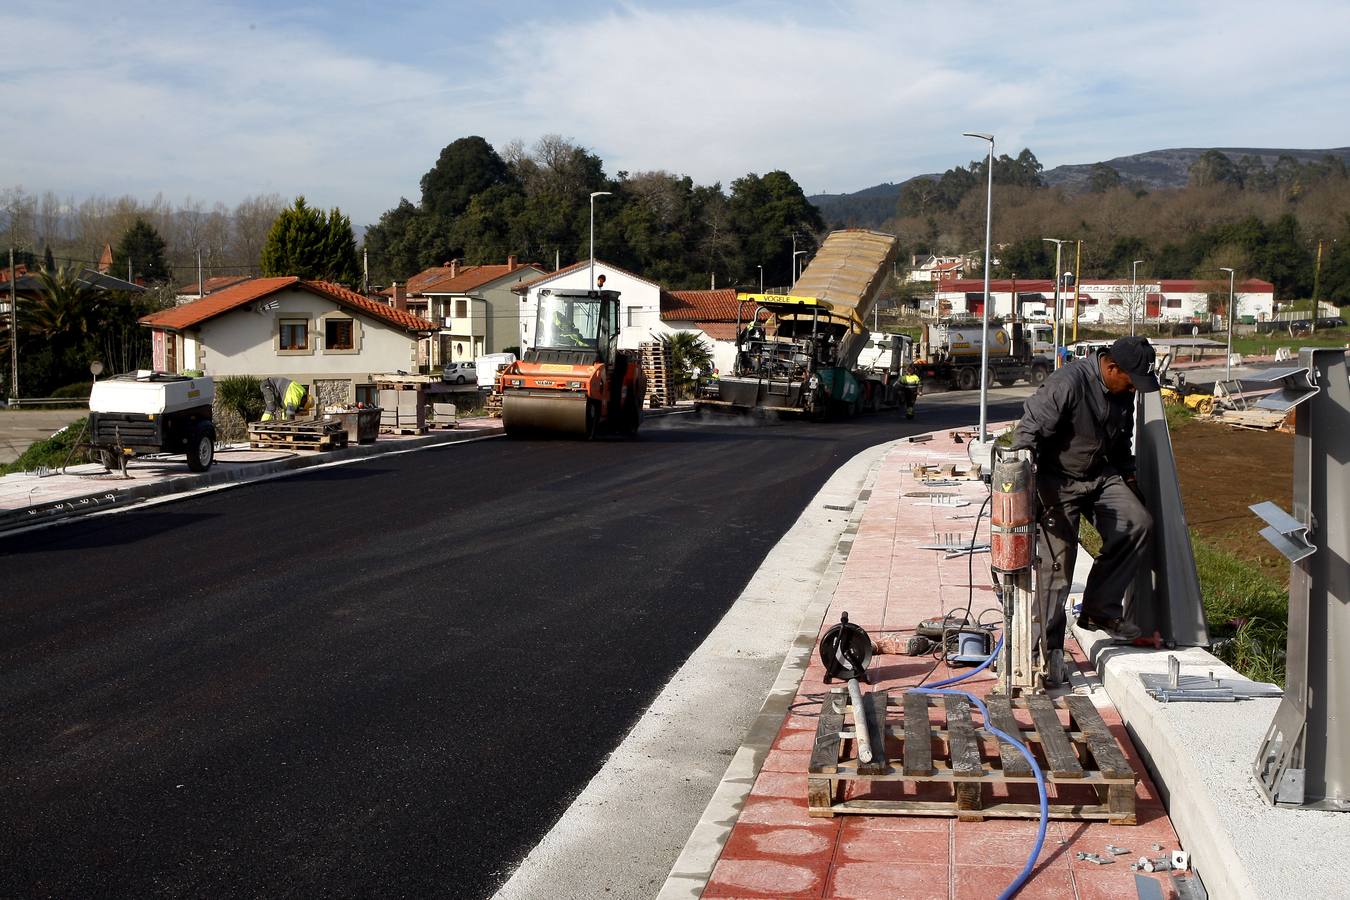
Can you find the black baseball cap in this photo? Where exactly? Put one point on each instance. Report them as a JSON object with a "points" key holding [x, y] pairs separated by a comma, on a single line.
{"points": [[1136, 356]]}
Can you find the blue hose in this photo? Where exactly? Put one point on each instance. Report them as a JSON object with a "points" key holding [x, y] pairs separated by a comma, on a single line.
{"points": [[1012, 889]]}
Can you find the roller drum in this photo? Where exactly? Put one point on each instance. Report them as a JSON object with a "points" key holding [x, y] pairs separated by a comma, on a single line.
{"points": [[535, 414]]}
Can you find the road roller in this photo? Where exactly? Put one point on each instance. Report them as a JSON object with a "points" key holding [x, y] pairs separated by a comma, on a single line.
{"points": [[574, 381]]}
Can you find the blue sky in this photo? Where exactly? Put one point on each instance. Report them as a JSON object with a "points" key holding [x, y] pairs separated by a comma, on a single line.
{"points": [[350, 104]]}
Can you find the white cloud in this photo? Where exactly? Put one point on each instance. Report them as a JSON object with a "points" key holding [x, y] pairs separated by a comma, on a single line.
{"points": [[840, 95]]}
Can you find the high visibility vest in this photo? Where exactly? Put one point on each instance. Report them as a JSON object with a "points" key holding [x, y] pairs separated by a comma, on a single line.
{"points": [[295, 395], [911, 379]]}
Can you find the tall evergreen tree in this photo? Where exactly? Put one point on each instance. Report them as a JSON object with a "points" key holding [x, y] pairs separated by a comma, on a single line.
{"points": [[143, 246], [305, 243]]}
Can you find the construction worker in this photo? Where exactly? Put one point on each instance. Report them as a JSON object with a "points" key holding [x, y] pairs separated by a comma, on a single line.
{"points": [[910, 387], [1079, 424], [284, 393]]}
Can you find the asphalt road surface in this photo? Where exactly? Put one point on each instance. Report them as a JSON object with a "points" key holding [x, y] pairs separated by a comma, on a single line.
{"points": [[382, 679]]}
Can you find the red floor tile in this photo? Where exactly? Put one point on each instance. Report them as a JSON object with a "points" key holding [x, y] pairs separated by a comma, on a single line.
{"points": [[767, 878], [1047, 882], [898, 879], [784, 842], [774, 811], [860, 842]]}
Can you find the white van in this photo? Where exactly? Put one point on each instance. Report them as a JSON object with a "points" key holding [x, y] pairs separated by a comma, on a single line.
{"points": [[488, 366]]}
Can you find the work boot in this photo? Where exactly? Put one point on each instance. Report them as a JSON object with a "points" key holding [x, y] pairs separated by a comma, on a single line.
{"points": [[1118, 629]]}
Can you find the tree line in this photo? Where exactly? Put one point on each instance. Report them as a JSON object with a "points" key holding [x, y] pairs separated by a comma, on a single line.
{"points": [[482, 206], [1265, 221]]}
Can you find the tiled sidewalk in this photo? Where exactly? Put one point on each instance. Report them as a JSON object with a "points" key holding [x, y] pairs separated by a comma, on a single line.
{"points": [[888, 585]]}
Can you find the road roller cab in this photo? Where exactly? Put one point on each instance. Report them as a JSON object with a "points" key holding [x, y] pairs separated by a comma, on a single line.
{"points": [[574, 380]]}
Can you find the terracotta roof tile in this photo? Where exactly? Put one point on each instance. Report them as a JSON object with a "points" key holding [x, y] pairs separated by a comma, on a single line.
{"points": [[476, 276], [221, 302], [214, 283]]}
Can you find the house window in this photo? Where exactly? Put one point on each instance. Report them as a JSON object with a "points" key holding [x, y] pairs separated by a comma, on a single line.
{"points": [[632, 319], [461, 309], [294, 334], [367, 394], [1116, 301], [1174, 303], [338, 334]]}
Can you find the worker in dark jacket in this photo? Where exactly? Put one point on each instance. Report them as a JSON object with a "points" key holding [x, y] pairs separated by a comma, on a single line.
{"points": [[282, 393], [1080, 424]]}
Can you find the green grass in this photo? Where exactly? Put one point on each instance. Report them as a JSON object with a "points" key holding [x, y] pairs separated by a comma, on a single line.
{"points": [[1247, 612], [1178, 416], [1254, 344], [50, 452]]}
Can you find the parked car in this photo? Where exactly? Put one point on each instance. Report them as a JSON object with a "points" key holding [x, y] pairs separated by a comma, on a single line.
{"points": [[1331, 322], [1299, 325], [459, 373]]}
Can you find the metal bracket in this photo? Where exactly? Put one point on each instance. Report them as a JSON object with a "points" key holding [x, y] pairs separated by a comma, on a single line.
{"points": [[1286, 534], [1297, 384]]}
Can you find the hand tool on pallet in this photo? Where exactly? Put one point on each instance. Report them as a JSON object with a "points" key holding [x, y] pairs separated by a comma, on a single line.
{"points": [[846, 651]]}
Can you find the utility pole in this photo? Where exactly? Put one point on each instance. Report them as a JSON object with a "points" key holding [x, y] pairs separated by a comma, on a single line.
{"points": [[129, 279], [201, 282], [1317, 283], [1059, 279], [1077, 280], [13, 331], [365, 271]]}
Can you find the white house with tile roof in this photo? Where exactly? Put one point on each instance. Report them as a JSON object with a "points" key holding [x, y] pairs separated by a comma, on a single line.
{"points": [[640, 301]]}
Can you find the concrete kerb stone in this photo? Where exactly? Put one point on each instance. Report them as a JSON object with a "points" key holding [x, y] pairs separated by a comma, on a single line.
{"points": [[13, 521], [1201, 756], [696, 861]]}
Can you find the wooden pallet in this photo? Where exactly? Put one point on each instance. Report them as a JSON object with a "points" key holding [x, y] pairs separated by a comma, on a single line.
{"points": [[403, 429], [951, 767], [335, 441]]}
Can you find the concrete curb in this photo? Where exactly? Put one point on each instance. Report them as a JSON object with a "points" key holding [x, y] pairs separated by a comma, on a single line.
{"points": [[115, 499], [696, 861], [1201, 757]]}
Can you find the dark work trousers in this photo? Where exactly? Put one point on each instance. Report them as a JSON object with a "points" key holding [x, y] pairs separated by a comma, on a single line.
{"points": [[1125, 526]]}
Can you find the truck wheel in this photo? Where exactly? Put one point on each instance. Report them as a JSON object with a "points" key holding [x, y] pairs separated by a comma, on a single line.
{"points": [[1038, 376], [201, 451], [632, 417], [966, 379]]}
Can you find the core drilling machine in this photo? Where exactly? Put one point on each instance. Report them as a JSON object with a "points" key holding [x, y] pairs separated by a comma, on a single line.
{"points": [[1025, 664]]}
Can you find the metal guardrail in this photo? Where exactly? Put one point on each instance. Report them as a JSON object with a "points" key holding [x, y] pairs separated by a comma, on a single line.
{"points": [[47, 401]]}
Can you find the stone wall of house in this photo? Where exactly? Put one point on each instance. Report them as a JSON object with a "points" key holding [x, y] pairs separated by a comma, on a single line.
{"points": [[229, 425], [331, 392]]}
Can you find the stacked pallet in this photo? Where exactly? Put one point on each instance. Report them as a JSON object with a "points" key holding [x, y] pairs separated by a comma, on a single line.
{"points": [[443, 415], [403, 407], [307, 434], [493, 405], [658, 369]]}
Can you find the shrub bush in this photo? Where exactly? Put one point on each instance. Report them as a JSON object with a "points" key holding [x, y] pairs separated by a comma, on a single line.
{"points": [[79, 390], [242, 395], [50, 452]]}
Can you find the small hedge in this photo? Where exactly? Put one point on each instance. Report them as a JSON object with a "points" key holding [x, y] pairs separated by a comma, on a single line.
{"points": [[50, 452]]}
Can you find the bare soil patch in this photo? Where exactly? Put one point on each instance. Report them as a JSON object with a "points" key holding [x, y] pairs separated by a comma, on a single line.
{"points": [[1225, 470]]}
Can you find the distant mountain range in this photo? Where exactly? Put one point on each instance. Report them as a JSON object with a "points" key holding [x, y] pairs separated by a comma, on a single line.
{"points": [[1153, 170]]}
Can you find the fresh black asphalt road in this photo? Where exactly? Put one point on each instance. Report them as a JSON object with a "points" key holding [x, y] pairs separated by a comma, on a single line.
{"points": [[382, 679]]}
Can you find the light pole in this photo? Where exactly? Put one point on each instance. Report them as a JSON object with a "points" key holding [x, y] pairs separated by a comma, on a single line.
{"points": [[1134, 295], [594, 194], [984, 328], [761, 279], [1059, 244], [1228, 360], [796, 273]]}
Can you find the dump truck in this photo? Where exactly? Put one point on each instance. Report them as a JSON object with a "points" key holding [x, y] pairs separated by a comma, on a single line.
{"points": [[881, 365], [151, 412], [574, 381], [796, 353], [949, 354]]}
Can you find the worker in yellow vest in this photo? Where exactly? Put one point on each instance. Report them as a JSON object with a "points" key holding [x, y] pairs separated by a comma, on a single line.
{"points": [[282, 394], [910, 388]]}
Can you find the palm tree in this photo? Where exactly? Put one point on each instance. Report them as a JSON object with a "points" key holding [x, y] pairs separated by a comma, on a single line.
{"points": [[66, 310], [690, 358]]}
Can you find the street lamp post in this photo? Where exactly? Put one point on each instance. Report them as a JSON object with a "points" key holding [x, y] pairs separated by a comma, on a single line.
{"points": [[594, 194], [1134, 291], [761, 279], [1228, 360], [796, 272], [984, 328], [1054, 332]]}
